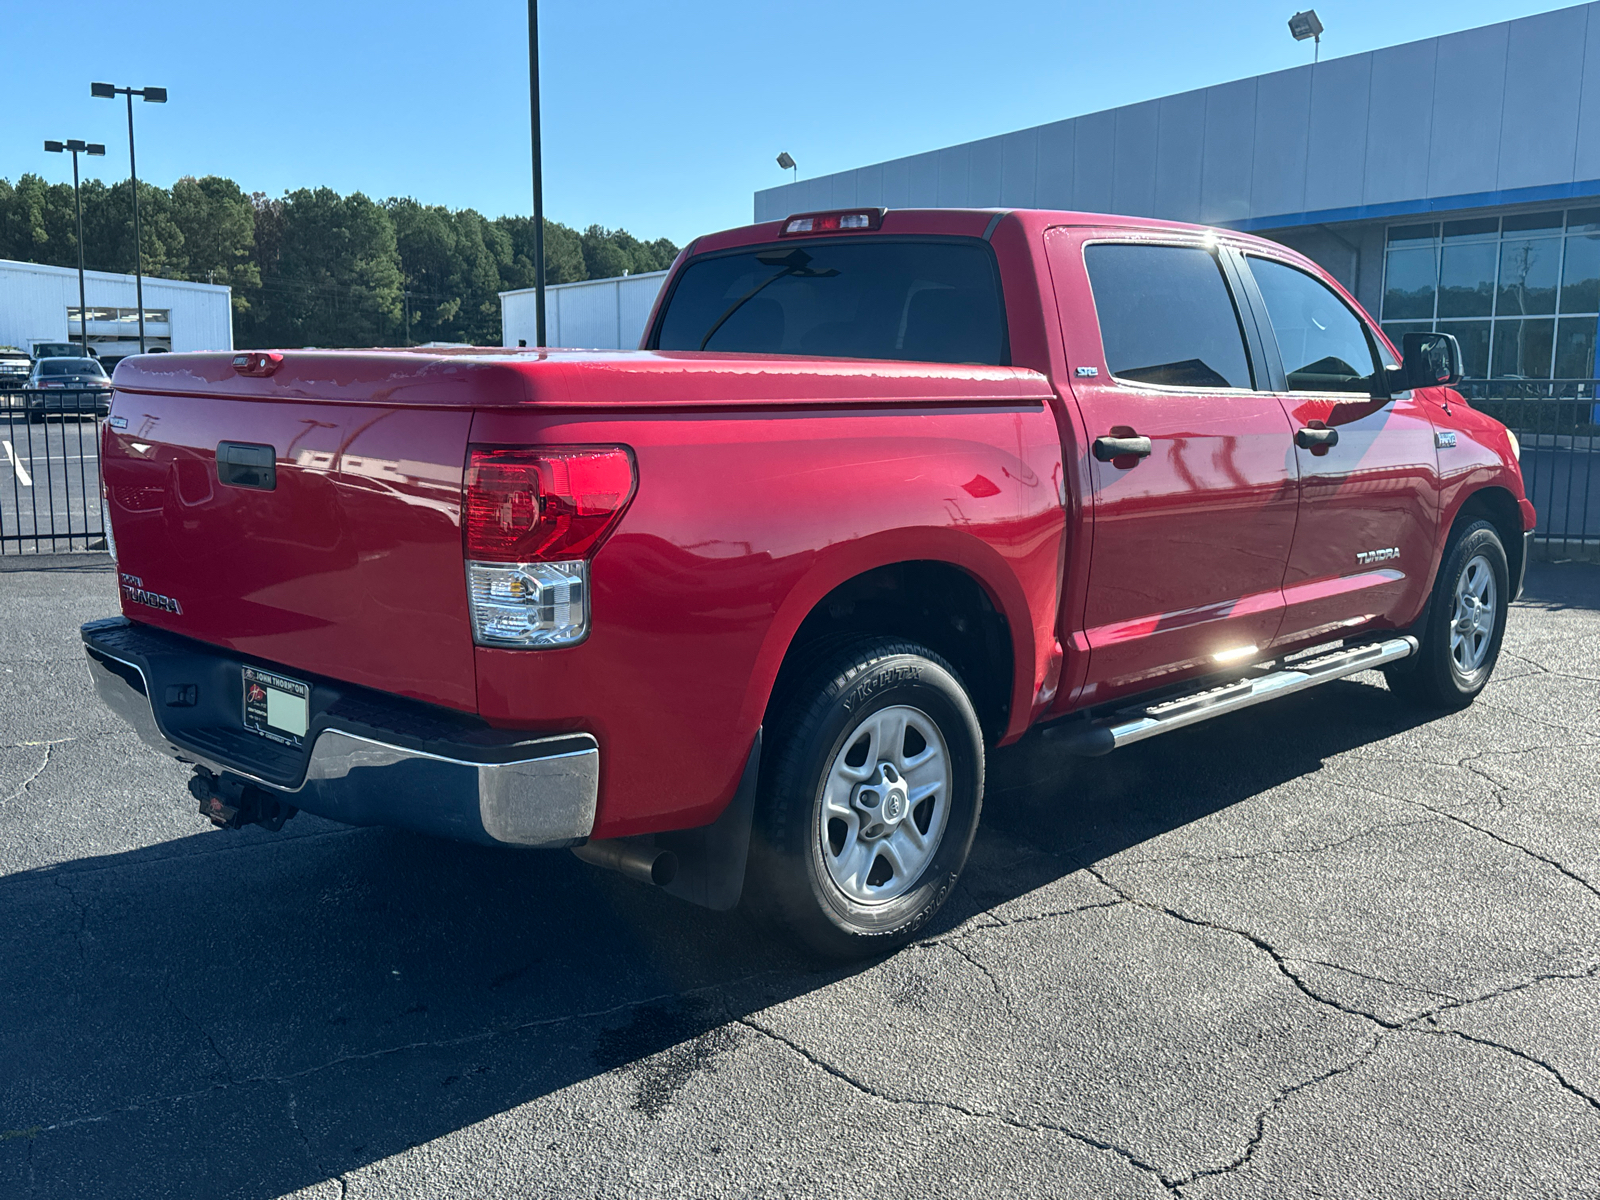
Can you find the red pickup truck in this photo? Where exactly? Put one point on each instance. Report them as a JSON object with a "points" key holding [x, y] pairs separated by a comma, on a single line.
{"points": [[740, 612]]}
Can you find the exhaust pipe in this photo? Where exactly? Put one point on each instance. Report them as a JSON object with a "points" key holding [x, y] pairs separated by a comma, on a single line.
{"points": [[634, 857]]}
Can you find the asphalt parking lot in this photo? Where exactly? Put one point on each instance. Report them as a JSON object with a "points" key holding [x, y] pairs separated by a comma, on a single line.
{"points": [[1324, 948]]}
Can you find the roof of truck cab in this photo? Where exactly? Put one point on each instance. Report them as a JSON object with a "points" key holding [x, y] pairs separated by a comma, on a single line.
{"points": [[948, 222]]}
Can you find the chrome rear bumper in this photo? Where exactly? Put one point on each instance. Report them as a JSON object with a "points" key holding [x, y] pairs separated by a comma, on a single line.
{"points": [[530, 790]]}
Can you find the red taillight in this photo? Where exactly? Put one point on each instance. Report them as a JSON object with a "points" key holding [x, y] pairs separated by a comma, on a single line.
{"points": [[258, 363], [544, 505], [844, 221]]}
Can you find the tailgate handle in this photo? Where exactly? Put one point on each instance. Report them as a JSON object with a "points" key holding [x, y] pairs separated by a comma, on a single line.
{"points": [[247, 465]]}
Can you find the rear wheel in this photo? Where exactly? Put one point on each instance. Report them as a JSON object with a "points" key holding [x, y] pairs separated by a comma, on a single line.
{"points": [[870, 807], [1466, 620]]}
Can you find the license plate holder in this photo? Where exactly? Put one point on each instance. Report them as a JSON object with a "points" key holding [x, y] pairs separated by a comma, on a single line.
{"points": [[276, 707]]}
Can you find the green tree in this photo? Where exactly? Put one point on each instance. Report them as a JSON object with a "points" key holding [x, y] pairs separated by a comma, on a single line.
{"points": [[563, 253], [218, 224], [330, 272], [313, 267]]}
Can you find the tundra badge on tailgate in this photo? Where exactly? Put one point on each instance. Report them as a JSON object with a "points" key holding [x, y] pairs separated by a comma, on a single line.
{"points": [[133, 588]]}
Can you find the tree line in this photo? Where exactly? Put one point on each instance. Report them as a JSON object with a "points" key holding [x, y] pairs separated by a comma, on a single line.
{"points": [[312, 267]]}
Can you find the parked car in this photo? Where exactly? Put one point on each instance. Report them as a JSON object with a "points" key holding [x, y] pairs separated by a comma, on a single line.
{"points": [[62, 350], [65, 387], [743, 611], [14, 368]]}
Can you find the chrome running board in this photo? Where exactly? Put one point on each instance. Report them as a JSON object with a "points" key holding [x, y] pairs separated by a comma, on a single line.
{"points": [[1131, 725]]}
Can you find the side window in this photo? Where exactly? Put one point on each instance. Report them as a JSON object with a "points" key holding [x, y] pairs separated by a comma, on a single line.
{"points": [[1325, 347], [1166, 316]]}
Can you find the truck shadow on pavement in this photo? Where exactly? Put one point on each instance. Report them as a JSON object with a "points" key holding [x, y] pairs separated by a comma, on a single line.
{"points": [[249, 1014]]}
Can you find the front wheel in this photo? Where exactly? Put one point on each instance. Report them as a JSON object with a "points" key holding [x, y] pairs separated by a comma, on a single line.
{"points": [[1464, 624], [872, 801]]}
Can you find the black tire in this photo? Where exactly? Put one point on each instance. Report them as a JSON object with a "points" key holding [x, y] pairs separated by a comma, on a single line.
{"points": [[827, 718], [1433, 677]]}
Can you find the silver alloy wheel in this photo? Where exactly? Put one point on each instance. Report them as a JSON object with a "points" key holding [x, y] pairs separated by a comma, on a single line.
{"points": [[1472, 617], [885, 804]]}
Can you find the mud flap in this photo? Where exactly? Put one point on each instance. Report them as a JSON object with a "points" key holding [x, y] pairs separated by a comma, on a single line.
{"points": [[711, 859]]}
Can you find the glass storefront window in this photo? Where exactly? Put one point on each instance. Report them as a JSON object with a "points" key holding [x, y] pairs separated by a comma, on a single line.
{"points": [[1497, 283], [1474, 339], [1575, 348], [1409, 283], [1522, 349], [1466, 279], [1580, 276], [1528, 271]]}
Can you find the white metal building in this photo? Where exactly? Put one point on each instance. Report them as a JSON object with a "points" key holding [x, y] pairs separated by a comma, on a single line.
{"points": [[597, 314], [40, 304], [1451, 183]]}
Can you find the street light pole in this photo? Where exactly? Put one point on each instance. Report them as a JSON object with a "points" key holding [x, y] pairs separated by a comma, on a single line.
{"points": [[538, 175], [75, 146], [151, 95]]}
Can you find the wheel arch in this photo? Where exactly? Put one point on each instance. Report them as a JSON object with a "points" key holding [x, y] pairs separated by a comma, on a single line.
{"points": [[921, 588], [1499, 507]]}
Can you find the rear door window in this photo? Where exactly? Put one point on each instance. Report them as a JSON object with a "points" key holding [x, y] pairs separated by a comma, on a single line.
{"points": [[1324, 346], [1167, 316], [917, 301]]}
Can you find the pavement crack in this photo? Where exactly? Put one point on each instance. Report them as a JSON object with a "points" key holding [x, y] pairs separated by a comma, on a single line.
{"points": [[81, 934], [866, 1089], [1507, 842], [1279, 959], [1270, 852], [1005, 997], [49, 752], [1548, 1068], [468, 1039], [1276, 1103], [1394, 983], [1466, 764]]}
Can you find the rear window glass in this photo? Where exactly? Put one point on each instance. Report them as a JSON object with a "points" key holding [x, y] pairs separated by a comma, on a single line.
{"points": [[70, 366], [918, 301], [1166, 316]]}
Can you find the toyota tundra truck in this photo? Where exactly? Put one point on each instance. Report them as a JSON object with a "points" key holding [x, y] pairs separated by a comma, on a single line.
{"points": [[740, 613]]}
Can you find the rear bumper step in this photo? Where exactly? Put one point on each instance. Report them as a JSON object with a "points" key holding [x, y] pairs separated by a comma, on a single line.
{"points": [[1136, 724], [367, 759]]}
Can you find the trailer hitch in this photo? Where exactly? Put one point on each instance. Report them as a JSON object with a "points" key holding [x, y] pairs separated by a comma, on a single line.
{"points": [[230, 803]]}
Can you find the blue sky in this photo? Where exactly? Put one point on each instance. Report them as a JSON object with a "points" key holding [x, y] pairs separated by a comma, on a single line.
{"points": [[662, 118]]}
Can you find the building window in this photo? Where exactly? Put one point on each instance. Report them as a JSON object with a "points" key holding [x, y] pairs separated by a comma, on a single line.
{"points": [[1520, 293], [122, 316]]}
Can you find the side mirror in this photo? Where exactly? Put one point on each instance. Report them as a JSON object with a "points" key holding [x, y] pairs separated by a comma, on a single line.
{"points": [[1430, 360]]}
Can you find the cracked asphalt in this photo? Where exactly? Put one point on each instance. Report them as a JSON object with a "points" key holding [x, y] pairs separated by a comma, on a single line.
{"points": [[1329, 947]]}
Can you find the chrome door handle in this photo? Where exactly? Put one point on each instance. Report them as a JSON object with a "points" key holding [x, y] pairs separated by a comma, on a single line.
{"points": [[1108, 448], [1307, 439]]}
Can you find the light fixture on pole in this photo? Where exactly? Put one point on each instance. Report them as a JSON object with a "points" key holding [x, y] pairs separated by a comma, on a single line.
{"points": [[538, 174], [786, 161], [151, 95], [76, 147], [1307, 25]]}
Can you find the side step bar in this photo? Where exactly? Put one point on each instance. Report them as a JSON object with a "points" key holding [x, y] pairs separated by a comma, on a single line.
{"points": [[1135, 724]]}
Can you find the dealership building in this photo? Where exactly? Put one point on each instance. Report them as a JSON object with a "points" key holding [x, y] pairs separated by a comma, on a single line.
{"points": [[1451, 183], [40, 304]]}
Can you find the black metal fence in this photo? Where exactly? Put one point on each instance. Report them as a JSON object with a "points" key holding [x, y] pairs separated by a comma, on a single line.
{"points": [[50, 470], [50, 462], [1557, 422]]}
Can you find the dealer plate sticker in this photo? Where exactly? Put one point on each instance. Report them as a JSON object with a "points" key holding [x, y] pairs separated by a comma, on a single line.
{"points": [[276, 707]]}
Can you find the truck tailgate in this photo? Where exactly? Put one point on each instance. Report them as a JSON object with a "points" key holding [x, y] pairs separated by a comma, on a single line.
{"points": [[344, 560]]}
